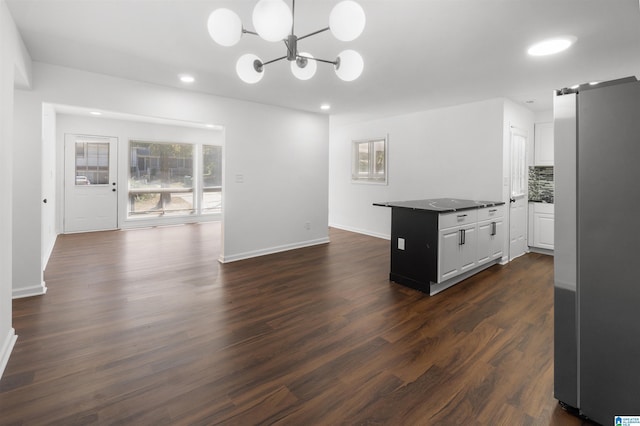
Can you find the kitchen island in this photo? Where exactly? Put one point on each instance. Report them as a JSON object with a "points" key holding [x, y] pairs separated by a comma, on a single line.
{"points": [[436, 243]]}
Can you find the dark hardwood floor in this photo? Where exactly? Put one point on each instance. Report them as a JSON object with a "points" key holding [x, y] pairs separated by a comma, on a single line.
{"points": [[145, 327]]}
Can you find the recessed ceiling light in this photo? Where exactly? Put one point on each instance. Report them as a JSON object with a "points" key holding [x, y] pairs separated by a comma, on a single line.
{"points": [[185, 78], [95, 113], [593, 83], [575, 86], [551, 46], [325, 107]]}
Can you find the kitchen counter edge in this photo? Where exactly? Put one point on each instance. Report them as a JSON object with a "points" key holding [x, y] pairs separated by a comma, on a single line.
{"points": [[473, 204]]}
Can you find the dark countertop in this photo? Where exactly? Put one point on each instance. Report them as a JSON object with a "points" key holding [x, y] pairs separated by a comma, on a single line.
{"points": [[440, 205]]}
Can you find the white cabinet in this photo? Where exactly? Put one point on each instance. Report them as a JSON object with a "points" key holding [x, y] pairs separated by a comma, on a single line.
{"points": [[541, 224], [543, 144], [468, 239], [490, 240], [457, 243], [490, 234]]}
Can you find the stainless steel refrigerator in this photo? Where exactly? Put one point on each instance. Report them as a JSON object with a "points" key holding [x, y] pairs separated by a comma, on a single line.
{"points": [[597, 249]]}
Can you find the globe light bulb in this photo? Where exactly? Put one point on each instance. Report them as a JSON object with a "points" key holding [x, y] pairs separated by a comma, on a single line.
{"points": [[304, 68], [225, 27], [350, 65], [246, 68], [272, 19], [347, 20]]}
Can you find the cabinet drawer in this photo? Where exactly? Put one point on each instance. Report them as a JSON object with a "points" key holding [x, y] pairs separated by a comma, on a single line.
{"points": [[487, 213], [448, 220]]}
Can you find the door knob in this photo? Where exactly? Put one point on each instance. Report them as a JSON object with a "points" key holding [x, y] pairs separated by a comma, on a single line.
{"points": [[512, 200], [114, 190], [44, 201]]}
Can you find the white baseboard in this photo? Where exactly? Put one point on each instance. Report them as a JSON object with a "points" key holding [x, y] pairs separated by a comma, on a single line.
{"points": [[6, 348], [36, 290], [360, 231], [540, 250], [271, 250]]}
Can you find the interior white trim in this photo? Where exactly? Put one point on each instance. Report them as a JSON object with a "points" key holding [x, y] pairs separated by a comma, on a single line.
{"points": [[272, 250], [35, 290], [361, 231], [7, 347]]}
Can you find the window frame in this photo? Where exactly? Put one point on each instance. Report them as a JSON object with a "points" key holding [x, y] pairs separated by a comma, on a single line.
{"points": [[196, 190], [370, 177]]}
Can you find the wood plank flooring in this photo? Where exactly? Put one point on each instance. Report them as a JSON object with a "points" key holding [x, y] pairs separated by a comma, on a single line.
{"points": [[145, 327]]}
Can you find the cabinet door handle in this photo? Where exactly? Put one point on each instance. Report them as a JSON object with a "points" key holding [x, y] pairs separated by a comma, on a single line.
{"points": [[493, 210], [493, 228], [460, 216], [464, 236], [460, 237]]}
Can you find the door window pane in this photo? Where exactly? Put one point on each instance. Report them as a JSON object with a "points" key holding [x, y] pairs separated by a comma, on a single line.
{"points": [[92, 163]]}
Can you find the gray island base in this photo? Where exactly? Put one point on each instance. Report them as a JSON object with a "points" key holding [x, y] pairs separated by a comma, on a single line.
{"points": [[436, 243]]}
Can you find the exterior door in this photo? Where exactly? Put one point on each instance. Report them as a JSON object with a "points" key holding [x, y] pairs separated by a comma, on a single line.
{"points": [[90, 201], [518, 196]]}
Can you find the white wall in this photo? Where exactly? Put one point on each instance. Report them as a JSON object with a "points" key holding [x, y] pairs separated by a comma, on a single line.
{"points": [[27, 191], [281, 154], [449, 152], [126, 130], [15, 69], [49, 191], [545, 116]]}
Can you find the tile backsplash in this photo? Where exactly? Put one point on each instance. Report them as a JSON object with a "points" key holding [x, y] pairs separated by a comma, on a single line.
{"points": [[541, 183]]}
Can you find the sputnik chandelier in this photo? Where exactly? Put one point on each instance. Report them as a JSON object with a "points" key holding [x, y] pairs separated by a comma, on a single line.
{"points": [[274, 22]]}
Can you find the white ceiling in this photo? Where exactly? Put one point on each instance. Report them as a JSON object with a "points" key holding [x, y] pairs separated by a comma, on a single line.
{"points": [[418, 54]]}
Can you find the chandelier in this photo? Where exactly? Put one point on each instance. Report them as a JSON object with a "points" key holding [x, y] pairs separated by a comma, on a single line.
{"points": [[274, 22]]}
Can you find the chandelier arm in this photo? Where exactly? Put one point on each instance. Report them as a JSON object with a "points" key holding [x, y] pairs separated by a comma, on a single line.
{"points": [[250, 32], [314, 33], [319, 60], [274, 60]]}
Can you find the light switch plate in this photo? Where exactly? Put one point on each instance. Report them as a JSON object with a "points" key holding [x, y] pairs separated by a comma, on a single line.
{"points": [[400, 243]]}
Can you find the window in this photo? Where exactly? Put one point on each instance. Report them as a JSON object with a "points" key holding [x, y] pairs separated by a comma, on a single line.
{"points": [[174, 179], [369, 161], [211, 179]]}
